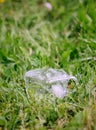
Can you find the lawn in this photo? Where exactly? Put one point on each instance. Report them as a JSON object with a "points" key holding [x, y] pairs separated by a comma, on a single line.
{"points": [[60, 35]]}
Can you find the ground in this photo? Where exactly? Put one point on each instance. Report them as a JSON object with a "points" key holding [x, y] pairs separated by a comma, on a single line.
{"points": [[59, 34]]}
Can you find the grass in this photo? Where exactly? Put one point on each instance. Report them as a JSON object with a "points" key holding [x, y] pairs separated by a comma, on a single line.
{"points": [[31, 37]]}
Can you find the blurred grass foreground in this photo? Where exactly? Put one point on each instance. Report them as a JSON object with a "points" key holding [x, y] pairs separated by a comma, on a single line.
{"points": [[58, 34]]}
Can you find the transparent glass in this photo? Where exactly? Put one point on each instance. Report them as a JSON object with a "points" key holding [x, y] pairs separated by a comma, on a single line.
{"points": [[47, 81]]}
